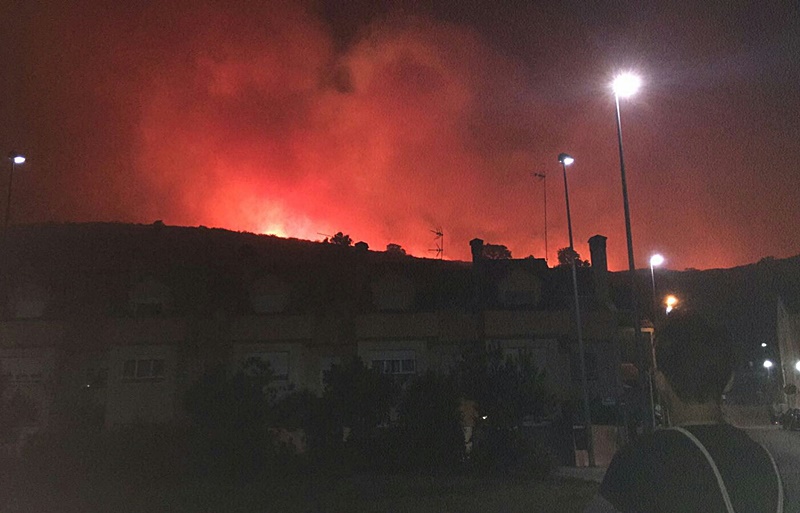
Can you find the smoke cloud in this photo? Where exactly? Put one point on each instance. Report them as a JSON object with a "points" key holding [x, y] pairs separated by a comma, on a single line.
{"points": [[261, 118]]}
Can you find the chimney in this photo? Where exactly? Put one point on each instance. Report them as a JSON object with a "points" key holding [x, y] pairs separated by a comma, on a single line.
{"points": [[597, 248], [477, 249]]}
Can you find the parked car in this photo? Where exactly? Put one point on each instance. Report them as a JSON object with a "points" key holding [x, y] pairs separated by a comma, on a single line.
{"points": [[791, 419]]}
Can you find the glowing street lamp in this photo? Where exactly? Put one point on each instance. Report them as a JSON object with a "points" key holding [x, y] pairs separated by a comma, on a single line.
{"points": [[626, 84], [768, 365], [566, 160], [797, 366], [671, 301], [655, 261], [16, 159]]}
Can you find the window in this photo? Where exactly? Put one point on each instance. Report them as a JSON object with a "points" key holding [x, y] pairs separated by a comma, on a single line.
{"points": [[406, 366], [22, 370], [143, 370], [148, 309]]}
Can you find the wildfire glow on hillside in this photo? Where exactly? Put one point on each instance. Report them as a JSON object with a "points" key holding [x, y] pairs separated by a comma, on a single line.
{"points": [[265, 118]]}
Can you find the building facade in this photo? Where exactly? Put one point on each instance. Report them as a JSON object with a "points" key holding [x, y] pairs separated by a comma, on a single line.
{"points": [[119, 337]]}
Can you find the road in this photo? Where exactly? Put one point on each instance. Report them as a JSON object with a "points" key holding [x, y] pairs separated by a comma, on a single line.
{"points": [[785, 448]]}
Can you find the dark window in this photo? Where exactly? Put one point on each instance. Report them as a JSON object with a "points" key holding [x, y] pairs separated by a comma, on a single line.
{"points": [[407, 366], [129, 369], [158, 369], [149, 309], [143, 370]]}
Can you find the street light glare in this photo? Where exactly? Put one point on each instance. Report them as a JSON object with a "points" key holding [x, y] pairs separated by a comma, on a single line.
{"points": [[626, 85], [565, 159], [763, 344], [19, 159], [656, 260], [767, 364], [797, 366]]}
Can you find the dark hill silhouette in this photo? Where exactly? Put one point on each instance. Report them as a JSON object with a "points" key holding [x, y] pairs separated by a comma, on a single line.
{"points": [[743, 298]]}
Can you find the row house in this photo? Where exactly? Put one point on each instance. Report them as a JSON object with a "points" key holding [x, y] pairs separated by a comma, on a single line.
{"points": [[120, 340]]}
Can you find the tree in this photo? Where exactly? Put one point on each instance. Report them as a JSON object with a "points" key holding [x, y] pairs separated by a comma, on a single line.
{"points": [[496, 252], [220, 402], [507, 391], [429, 418], [359, 398], [565, 256], [506, 388], [340, 239], [395, 249]]}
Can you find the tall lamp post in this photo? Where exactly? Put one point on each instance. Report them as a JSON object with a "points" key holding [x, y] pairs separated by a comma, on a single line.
{"points": [[655, 261], [16, 160], [544, 187], [626, 85], [566, 160]]}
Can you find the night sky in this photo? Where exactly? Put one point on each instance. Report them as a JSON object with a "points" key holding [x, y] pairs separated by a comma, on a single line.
{"points": [[386, 120]]}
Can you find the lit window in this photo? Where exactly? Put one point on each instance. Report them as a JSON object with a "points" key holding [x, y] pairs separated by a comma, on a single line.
{"points": [[406, 366], [143, 369]]}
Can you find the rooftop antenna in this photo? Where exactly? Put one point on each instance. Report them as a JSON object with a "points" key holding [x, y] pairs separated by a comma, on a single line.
{"points": [[439, 242], [543, 178]]}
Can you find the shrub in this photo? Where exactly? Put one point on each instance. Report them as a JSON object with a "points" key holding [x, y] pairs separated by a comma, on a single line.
{"points": [[511, 453], [430, 425]]}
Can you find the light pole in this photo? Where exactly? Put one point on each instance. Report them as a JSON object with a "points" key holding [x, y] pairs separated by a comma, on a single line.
{"points": [[566, 160], [16, 160], [655, 261], [544, 187], [626, 85]]}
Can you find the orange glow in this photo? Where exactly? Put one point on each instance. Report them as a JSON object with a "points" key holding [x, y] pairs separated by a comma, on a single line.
{"points": [[298, 118]]}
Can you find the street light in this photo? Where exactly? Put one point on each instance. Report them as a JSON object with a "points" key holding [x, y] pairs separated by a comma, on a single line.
{"points": [[626, 85], [768, 365], [797, 366], [566, 160], [670, 301], [16, 159], [655, 261]]}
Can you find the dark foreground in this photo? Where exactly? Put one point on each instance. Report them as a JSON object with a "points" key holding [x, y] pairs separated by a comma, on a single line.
{"points": [[311, 494]]}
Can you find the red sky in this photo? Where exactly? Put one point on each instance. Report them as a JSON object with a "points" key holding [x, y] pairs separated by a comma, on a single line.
{"points": [[386, 120]]}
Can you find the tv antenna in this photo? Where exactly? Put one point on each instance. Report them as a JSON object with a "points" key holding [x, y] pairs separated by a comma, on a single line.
{"points": [[439, 243], [543, 178]]}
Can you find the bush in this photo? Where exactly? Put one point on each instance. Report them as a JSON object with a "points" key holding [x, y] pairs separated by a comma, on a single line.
{"points": [[511, 453], [430, 425]]}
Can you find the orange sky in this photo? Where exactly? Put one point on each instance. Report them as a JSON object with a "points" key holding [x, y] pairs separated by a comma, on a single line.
{"points": [[387, 120]]}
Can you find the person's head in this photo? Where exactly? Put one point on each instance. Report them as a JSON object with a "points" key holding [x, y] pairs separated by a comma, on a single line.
{"points": [[694, 356]]}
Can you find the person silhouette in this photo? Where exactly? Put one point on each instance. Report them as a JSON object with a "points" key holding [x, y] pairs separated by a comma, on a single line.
{"points": [[701, 463]]}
